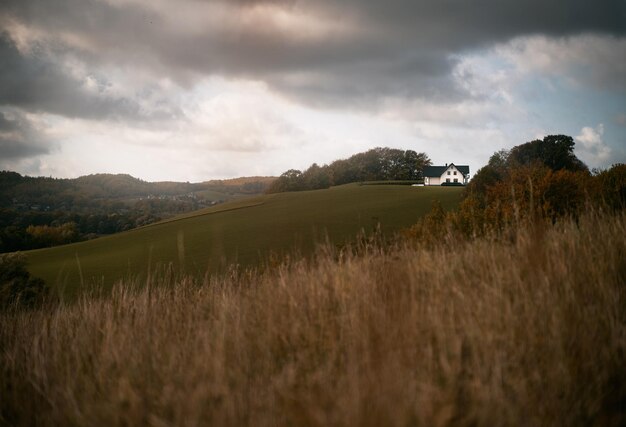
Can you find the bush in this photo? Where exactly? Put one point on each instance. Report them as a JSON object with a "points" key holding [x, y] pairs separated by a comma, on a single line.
{"points": [[564, 193], [611, 187], [17, 286]]}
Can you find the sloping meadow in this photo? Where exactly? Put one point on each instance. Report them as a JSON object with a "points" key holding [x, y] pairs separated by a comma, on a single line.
{"points": [[527, 330]]}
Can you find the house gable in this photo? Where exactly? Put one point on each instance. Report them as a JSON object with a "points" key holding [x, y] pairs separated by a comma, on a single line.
{"points": [[438, 175]]}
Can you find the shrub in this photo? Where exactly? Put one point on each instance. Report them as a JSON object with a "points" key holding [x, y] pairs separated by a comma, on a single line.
{"points": [[611, 187], [17, 286], [563, 193], [432, 227]]}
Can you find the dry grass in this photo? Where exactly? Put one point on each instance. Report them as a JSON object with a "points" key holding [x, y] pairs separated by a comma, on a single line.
{"points": [[531, 331]]}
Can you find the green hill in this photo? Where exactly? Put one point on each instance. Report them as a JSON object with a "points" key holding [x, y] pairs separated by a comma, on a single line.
{"points": [[243, 232], [72, 210]]}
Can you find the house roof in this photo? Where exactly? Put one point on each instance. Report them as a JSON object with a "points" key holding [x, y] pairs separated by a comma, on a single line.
{"points": [[434, 171]]}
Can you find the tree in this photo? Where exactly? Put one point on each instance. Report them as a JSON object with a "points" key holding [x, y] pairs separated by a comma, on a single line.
{"points": [[342, 172], [290, 180], [418, 161], [499, 161], [45, 236], [369, 165], [484, 178], [554, 151], [316, 177]]}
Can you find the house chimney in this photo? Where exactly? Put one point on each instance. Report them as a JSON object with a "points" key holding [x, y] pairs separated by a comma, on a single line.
{"points": [[446, 165]]}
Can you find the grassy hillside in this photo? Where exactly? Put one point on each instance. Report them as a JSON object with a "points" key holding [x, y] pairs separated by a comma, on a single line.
{"points": [[528, 330], [243, 232], [40, 212]]}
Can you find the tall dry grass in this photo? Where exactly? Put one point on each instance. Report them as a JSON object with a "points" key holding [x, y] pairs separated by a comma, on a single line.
{"points": [[527, 331]]}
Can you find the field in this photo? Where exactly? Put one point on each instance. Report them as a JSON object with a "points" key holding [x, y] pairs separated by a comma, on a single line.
{"points": [[525, 330], [244, 232]]}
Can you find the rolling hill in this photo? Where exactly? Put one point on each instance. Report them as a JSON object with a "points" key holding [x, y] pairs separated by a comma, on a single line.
{"points": [[243, 232], [72, 210]]}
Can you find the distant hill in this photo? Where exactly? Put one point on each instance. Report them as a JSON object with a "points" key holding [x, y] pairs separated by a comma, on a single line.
{"points": [[67, 210], [15, 188], [243, 232]]}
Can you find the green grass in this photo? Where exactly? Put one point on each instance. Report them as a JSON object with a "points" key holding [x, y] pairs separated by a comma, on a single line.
{"points": [[243, 232]]}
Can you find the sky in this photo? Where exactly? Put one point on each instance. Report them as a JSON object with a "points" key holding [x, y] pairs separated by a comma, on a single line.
{"points": [[193, 90]]}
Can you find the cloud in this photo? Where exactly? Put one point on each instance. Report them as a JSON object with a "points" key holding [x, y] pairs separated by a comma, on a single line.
{"points": [[591, 148], [20, 139], [242, 124], [588, 60], [37, 81], [347, 54], [228, 129], [32, 82]]}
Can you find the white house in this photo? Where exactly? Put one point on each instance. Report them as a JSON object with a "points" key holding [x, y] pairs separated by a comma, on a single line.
{"points": [[450, 174]]}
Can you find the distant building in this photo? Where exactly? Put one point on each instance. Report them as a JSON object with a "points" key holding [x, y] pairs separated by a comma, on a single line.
{"points": [[446, 175]]}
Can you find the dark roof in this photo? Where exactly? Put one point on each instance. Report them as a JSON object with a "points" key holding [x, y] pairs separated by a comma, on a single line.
{"points": [[432, 171]]}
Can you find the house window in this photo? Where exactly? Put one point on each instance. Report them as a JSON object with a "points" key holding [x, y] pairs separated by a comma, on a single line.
{"points": [[448, 172], [455, 172], [447, 179], [456, 180]]}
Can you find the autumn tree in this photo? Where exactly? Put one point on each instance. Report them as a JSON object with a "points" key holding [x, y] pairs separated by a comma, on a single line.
{"points": [[46, 236]]}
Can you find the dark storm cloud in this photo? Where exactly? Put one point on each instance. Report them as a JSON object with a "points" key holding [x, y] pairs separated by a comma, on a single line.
{"points": [[35, 82], [32, 82], [360, 84], [19, 139], [371, 48], [460, 23], [406, 48], [7, 125]]}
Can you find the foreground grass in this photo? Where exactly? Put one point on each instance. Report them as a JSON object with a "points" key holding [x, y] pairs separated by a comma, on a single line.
{"points": [[244, 232], [528, 331]]}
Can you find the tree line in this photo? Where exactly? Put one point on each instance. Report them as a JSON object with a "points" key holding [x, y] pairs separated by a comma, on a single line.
{"points": [[377, 164], [541, 180]]}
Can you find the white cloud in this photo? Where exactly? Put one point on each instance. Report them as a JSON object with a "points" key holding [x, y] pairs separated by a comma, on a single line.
{"points": [[591, 148], [582, 60], [227, 129], [245, 118]]}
